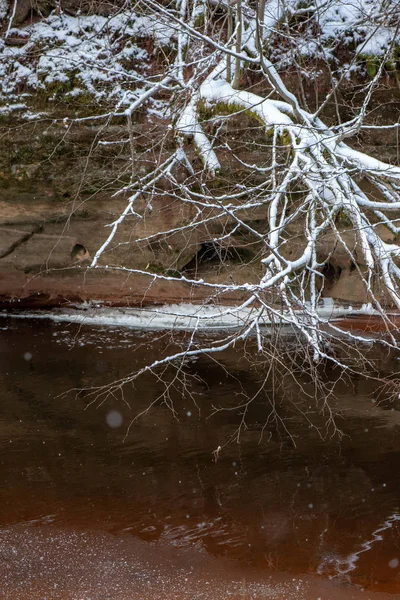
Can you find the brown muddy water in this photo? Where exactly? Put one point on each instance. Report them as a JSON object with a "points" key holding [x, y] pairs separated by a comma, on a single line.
{"points": [[90, 513]]}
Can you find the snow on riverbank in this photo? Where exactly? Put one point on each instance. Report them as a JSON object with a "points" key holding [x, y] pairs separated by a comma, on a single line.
{"points": [[177, 316]]}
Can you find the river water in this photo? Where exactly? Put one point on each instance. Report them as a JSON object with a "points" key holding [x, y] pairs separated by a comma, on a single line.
{"points": [[96, 504]]}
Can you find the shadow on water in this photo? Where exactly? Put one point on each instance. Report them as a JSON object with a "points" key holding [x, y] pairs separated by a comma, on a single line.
{"points": [[87, 513]]}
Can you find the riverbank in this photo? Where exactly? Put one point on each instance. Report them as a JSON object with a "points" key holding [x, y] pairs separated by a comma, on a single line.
{"points": [[67, 564], [186, 316]]}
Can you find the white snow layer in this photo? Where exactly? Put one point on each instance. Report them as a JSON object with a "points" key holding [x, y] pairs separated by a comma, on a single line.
{"points": [[81, 54], [368, 26], [3, 9], [96, 54], [179, 316]]}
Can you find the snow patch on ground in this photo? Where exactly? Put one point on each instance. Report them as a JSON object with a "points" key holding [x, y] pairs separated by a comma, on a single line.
{"points": [[103, 57], [366, 25], [3, 9], [81, 55]]}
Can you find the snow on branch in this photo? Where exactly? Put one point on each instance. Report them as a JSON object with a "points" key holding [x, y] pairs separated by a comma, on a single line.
{"points": [[319, 167], [304, 179]]}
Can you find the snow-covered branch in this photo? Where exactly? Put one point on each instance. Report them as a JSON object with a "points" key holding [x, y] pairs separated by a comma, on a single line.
{"points": [[299, 197]]}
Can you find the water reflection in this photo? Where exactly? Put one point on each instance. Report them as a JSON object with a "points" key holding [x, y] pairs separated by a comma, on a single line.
{"points": [[325, 507]]}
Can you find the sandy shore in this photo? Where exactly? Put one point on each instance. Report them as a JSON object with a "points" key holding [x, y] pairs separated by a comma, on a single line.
{"points": [[43, 561]]}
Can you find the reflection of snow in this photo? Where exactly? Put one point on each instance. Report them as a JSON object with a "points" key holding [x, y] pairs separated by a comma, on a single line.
{"points": [[344, 566]]}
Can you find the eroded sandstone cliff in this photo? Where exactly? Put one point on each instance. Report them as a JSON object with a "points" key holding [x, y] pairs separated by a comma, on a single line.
{"points": [[59, 175]]}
